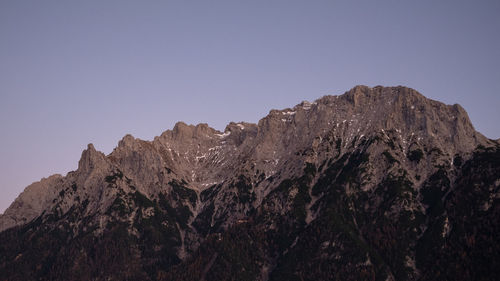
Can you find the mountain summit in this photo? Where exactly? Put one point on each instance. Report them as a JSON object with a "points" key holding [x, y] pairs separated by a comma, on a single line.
{"points": [[375, 184]]}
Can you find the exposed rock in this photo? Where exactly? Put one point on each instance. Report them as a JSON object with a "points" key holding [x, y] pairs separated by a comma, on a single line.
{"points": [[363, 185], [31, 202]]}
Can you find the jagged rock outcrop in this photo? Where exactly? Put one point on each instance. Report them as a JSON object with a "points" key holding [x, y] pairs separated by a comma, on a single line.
{"points": [[377, 184], [31, 202]]}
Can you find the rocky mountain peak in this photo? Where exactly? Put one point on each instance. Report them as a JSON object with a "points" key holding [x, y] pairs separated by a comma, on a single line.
{"points": [[367, 182], [406, 111], [201, 155], [31, 202], [90, 159], [127, 141], [182, 131]]}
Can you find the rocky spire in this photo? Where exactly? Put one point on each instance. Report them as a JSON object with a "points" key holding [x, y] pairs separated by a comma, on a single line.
{"points": [[91, 159]]}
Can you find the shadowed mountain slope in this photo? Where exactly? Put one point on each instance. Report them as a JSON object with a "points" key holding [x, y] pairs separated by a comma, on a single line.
{"points": [[375, 184]]}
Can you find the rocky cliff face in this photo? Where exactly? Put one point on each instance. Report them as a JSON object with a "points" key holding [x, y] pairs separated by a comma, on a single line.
{"points": [[376, 184]]}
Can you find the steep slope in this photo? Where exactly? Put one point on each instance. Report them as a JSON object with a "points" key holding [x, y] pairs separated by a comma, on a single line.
{"points": [[376, 184]]}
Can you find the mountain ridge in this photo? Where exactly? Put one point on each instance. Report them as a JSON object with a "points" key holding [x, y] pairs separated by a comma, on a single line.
{"points": [[358, 96], [380, 148]]}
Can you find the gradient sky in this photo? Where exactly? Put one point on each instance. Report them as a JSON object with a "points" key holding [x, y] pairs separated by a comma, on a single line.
{"points": [[78, 72]]}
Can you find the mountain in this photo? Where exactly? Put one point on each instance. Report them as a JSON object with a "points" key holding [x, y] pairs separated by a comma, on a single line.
{"points": [[375, 184]]}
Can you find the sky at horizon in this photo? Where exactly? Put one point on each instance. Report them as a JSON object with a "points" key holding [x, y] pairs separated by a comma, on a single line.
{"points": [[79, 72]]}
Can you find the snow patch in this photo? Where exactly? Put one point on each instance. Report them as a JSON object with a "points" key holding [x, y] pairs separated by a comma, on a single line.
{"points": [[210, 183], [223, 135], [200, 157]]}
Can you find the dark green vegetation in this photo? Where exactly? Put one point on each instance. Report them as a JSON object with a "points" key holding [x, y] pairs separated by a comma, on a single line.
{"points": [[416, 155], [112, 178], [50, 248], [471, 248], [325, 224], [363, 235], [245, 192], [181, 191]]}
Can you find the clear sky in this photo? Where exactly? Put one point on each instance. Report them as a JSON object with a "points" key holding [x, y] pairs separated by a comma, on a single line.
{"points": [[78, 72]]}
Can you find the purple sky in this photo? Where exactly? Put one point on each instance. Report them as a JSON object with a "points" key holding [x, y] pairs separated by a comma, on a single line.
{"points": [[75, 72]]}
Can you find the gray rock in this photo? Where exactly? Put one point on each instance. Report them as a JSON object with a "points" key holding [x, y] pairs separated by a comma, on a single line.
{"points": [[203, 157]]}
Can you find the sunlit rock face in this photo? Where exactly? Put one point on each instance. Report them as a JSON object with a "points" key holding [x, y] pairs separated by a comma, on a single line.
{"points": [[375, 184]]}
